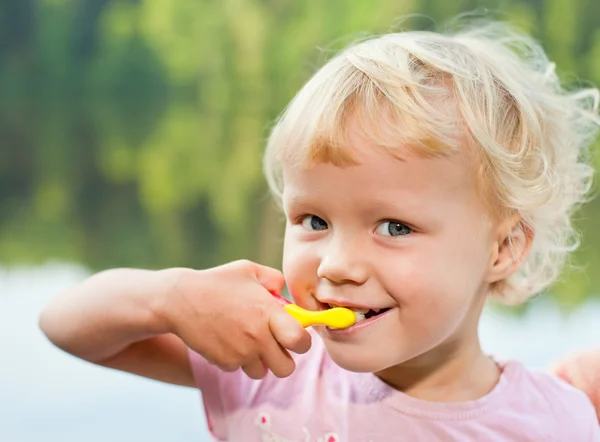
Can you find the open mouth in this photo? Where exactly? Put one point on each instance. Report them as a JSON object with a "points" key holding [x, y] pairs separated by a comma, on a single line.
{"points": [[361, 313]]}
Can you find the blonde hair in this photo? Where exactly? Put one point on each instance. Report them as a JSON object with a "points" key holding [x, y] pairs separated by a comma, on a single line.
{"points": [[500, 92]]}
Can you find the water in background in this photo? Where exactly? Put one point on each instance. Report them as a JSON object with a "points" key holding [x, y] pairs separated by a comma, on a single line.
{"points": [[50, 396]]}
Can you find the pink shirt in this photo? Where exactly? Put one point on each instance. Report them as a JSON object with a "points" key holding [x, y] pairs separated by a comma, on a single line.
{"points": [[322, 402]]}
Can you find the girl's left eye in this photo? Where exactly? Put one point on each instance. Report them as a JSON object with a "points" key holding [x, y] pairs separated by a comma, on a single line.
{"points": [[393, 228], [313, 222]]}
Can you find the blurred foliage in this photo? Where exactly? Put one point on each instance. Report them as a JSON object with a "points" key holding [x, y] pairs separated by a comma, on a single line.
{"points": [[131, 131]]}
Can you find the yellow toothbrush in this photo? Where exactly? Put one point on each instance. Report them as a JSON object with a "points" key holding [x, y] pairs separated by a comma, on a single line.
{"points": [[338, 317]]}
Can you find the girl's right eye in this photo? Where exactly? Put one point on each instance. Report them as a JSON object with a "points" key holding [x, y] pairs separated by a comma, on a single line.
{"points": [[313, 222]]}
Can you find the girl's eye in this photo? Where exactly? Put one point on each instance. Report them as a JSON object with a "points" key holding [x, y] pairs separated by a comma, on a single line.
{"points": [[313, 222], [393, 228]]}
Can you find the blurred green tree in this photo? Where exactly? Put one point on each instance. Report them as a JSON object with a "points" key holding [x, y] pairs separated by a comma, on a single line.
{"points": [[131, 131]]}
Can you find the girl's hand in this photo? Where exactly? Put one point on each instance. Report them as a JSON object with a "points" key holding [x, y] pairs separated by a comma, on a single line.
{"points": [[582, 370], [227, 315]]}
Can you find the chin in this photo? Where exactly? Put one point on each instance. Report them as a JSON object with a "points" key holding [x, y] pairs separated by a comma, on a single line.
{"points": [[356, 359]]}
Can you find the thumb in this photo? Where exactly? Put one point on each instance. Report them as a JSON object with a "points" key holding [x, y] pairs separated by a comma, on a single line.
{"points": [[270, 278], [289, 333]]}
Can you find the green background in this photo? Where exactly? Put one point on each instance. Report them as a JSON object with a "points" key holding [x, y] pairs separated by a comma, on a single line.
{"points": [[131, 132]]}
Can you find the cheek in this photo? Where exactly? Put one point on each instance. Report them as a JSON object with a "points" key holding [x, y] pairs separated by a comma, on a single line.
{"points": [[299, 268], [432, 311], [435, 285], [425, 276], [455, 265], [424, 298]]}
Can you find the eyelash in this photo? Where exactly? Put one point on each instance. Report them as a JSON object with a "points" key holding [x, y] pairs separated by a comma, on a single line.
{"points": [[411, 230], [303, 217]]}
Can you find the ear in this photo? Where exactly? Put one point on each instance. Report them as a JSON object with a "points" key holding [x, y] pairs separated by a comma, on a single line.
{"points": [[512, 243]]}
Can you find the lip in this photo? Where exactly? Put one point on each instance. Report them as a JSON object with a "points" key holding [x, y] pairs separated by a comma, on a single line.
{"points": [[341, 303], [357, 327]]}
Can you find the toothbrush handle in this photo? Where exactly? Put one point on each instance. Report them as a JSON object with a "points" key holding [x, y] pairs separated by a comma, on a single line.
{"points": [[306, 318], [338, 317]]}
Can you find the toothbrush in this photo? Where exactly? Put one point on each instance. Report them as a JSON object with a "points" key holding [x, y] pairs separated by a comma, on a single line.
{"points": [[338, 317]]}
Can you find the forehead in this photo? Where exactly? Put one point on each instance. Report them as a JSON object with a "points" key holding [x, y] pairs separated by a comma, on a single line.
{"points": [[377, 175]]}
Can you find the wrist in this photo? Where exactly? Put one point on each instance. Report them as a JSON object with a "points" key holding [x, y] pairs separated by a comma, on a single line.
{"points": [[166, 298]]}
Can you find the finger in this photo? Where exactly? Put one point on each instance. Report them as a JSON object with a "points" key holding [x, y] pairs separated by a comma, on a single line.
{"points": [[255, 369], [270, 278], [229, 367], [277, 359], [226, 358], [288, 332]]}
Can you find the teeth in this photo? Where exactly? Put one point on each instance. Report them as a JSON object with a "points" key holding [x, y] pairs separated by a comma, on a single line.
{"points": [[376, 310]]}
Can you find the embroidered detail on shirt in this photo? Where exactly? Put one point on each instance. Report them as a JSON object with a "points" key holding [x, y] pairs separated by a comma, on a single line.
{"points": [[263, 422]]}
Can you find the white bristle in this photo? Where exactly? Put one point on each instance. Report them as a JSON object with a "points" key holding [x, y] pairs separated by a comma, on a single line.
{"points": [[360, 316]]}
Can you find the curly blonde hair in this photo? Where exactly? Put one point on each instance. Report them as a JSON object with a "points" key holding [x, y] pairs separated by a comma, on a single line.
{"points": [[490, 84]]}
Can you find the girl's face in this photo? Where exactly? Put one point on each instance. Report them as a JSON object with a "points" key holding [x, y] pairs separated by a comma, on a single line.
{"points": [[409, 238]]}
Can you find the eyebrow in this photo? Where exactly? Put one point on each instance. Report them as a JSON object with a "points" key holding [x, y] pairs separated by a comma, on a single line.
{"points": [[407, 207], [297, 200]]}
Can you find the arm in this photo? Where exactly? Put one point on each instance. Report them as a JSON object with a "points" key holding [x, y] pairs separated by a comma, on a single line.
{"points": [[114, 319], [142, 321]]}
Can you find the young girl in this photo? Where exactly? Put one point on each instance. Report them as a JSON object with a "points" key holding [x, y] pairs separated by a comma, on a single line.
{"points": [[420, 174]]}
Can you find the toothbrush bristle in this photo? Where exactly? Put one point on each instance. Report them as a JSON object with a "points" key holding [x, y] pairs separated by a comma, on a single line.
{"points": [[359, 316]]}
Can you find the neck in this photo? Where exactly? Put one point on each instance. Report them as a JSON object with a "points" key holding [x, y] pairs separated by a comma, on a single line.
{"points": [[449, 375], [455, 371]]}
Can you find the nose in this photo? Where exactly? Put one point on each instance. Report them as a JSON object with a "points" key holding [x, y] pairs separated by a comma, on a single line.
{"points": [[343, 262]]}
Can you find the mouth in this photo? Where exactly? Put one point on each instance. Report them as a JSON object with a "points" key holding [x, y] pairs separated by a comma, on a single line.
{"points": [[362, 314]]}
